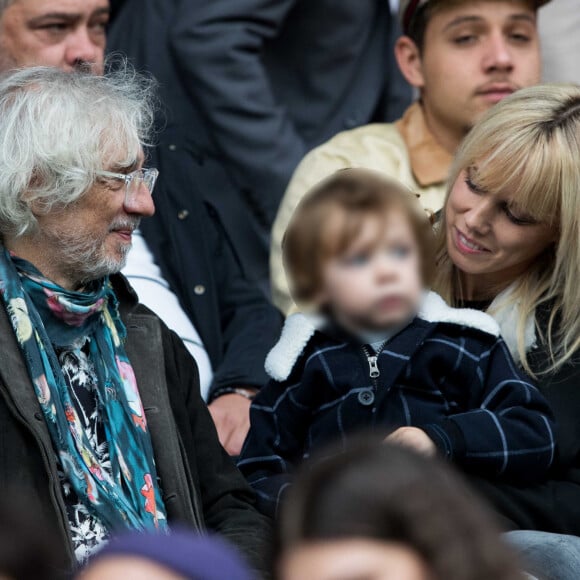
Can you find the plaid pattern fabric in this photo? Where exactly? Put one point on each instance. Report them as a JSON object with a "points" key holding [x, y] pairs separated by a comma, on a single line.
{"points": [[458, 384]]}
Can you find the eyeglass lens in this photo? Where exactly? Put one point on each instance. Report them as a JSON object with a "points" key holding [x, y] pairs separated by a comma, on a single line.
{"points": [[146, 177]]}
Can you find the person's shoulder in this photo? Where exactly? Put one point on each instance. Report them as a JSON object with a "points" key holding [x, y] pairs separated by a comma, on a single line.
{"points": [[457, 324], [385, 136], [301, 336]]}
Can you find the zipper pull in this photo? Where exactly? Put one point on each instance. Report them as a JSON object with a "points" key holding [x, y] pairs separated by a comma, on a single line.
{"points": [[373, 367]]}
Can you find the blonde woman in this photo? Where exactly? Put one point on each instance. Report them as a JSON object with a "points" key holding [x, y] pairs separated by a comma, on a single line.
{"points": [[509, 243]]}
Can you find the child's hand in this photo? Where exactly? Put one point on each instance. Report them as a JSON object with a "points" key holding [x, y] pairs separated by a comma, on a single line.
{"points": [[413, 438]]}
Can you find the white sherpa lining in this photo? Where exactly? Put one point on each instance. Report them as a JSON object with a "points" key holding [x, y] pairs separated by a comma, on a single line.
{"points": [[299, 329], [435, 309]]}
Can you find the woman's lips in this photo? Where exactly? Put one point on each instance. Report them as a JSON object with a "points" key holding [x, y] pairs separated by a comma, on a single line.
{"points": [[466, 245]]}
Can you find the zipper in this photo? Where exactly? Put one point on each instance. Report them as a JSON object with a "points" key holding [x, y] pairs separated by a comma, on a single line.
{"points": [[372, 360]]}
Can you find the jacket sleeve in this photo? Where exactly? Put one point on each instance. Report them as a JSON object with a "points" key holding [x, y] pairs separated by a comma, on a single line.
{"points": [[510, 432], [250, 325], [275, 443], [227, 500], [218, 47]]}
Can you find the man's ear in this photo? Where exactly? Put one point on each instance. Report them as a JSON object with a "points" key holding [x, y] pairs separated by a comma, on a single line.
{"points": [[409, 60], [34, 205]]}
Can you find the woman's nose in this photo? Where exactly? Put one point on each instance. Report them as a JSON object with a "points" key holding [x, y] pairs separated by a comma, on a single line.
{"points": [[479, 217]]}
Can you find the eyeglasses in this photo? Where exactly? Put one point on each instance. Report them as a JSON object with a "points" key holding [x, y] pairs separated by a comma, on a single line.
{"points": [[134, 181]]}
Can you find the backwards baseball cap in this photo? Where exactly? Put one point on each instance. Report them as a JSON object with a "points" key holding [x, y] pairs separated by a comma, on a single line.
{"points": [[408, 10]]}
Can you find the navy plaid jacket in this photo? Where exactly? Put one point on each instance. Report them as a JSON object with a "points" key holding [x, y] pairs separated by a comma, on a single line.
{"points": [[455, 381]]}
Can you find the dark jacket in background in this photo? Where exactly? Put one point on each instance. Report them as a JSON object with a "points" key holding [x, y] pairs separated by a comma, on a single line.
{"points": [[251, 85], [236, 322], [201, 487]]}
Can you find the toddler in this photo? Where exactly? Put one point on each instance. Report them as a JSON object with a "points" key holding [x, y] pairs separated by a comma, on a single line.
{"points": [[375, 351]]}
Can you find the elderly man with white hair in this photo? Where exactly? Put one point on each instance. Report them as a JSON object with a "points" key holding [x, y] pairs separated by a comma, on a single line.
{"points": [[102, 426]]}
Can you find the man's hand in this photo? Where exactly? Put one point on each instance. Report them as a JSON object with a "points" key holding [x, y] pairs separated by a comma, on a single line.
{"points": [[231, 415], [413, 438]]}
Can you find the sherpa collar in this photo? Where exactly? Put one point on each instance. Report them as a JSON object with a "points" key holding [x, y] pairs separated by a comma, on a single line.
{"points": [[299, 329]]}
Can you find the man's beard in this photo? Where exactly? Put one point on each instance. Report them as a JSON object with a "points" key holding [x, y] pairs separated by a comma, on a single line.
{"points": [[83, 259]]}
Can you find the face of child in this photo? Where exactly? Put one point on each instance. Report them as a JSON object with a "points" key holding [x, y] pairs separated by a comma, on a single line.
{"points": [[376, 283]]}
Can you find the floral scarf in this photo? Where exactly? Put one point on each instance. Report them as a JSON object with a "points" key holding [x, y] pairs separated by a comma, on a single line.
{"points": [[43, 314]]}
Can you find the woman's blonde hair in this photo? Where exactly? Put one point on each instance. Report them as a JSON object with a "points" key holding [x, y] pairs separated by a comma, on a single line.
{"points": [[529, 145]]}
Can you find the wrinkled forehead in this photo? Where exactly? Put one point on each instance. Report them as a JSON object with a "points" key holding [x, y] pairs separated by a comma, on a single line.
{"points": [[123, 162], [452, 14], [120, 152], [40, 8]]}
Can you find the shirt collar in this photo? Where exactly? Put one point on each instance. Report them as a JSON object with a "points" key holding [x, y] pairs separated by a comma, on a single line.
{"points": [[430, 162]]}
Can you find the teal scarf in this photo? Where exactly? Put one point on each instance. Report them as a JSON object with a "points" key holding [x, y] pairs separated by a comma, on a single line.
{"points": [[45, 315]]}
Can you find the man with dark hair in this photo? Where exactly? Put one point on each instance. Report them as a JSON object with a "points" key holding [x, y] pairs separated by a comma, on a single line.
{"points": [[61, 33], [462, 56]]}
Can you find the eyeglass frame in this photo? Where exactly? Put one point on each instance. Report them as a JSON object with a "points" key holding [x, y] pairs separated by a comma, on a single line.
{"points": [[128, 178]]}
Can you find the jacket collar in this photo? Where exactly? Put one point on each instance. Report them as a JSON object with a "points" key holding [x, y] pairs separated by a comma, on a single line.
{"points": [[299, 328], [430, 162], [128, 299]]}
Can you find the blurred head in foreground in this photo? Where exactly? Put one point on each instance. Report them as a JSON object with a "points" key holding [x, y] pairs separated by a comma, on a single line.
{"points": [[377, 512], [180, 555]]}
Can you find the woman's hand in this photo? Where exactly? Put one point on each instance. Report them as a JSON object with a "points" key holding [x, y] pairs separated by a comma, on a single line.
{"points": [[414, 438]]}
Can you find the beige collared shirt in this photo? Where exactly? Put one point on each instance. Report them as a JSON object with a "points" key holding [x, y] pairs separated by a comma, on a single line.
{"points": [[405, 150]]}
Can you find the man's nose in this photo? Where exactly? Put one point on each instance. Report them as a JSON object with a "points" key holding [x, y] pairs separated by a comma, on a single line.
{"points": [[140, 202], [498, 54], [82, 49]]}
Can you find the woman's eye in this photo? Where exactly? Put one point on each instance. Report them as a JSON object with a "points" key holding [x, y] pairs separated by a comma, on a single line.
{"points": [[519, 220], [473, 187]]}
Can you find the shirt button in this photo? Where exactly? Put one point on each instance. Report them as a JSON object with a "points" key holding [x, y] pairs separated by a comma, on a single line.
{"points": [[172, 147], [199, 289], [182, 214], [352, 120], [366, 397]]}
